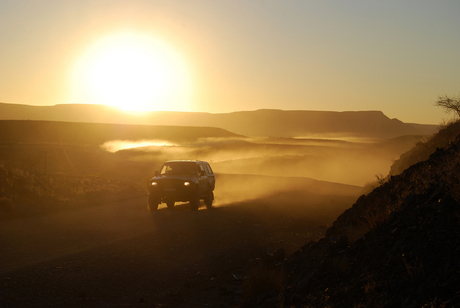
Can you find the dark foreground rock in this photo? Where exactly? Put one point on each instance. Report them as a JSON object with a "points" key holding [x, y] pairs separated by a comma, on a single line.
{"points": [[410, 260]]}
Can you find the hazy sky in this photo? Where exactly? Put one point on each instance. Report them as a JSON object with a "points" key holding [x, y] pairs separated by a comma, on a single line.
{"points": [[222, 56]]}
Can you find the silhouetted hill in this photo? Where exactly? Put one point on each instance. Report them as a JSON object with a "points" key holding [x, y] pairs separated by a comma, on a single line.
{"points": [[398, 246], [96, 133], [274, 123]]}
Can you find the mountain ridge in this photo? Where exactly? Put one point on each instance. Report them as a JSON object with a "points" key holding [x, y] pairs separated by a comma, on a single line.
{"points": [[257, 123]]}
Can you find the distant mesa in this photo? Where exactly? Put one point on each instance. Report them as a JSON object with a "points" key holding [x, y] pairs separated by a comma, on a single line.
{"points": [[258, 123], [33, 131]]}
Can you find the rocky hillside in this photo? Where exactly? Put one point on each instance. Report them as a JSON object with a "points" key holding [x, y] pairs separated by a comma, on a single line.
{"points": [[423, 150], [398, 246]]}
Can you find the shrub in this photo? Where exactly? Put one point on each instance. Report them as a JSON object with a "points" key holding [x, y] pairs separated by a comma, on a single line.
{"points": [[370, 186]]}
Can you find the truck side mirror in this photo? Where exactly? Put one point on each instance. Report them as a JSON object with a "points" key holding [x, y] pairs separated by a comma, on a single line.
{"points": [[157, 173]]}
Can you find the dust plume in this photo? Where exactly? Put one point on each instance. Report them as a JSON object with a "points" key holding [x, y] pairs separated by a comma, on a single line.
{"points": [[353, 163], [320, 176], [118, 145]]}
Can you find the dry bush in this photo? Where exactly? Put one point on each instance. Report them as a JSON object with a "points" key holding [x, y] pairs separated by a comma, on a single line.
{"points": [[449, 104], [370, 186]]}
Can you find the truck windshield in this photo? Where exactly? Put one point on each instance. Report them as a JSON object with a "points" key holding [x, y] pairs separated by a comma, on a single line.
{"points": [[179, 168]]}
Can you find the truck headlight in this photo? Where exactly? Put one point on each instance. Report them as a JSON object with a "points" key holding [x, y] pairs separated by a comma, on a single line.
{"points": [[154, 183], [186, 183]]}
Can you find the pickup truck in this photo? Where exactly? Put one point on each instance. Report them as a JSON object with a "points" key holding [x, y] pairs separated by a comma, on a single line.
{"points": [[182, 181]]}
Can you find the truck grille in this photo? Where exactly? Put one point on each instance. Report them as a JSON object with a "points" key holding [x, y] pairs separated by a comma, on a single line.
{"points": [[170, 183]]}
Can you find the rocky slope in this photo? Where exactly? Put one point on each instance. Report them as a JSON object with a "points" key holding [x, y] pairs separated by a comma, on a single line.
{"points": [[423, 150], [398, 246]]}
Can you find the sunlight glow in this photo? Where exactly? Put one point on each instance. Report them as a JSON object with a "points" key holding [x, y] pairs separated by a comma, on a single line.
{"points": [[118, 145], [134, 72]]}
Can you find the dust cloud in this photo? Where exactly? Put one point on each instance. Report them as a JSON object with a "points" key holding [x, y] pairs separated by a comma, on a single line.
{"points": [[320, 176], [118, 145], [286, 198], [231, 188], [353, 163]]}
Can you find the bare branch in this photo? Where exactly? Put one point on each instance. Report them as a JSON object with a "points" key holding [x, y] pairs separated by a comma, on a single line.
{"points": [[449, 104]]}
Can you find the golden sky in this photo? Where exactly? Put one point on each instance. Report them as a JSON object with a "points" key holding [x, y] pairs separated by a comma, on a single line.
{"points": [[223, 56]]}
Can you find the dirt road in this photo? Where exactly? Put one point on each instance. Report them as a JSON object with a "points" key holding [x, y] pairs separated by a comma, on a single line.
{"points": [[119, 254]]}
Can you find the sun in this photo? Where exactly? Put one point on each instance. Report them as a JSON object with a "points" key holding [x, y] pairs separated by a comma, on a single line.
{"points": [[134, 72]]}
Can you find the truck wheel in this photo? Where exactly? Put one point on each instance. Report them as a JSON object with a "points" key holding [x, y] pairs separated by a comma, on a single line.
{"points": [[153, 205], [208, 200]]}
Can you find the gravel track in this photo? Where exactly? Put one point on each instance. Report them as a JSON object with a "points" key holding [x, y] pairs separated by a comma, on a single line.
{"points": [[121, 255]]}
